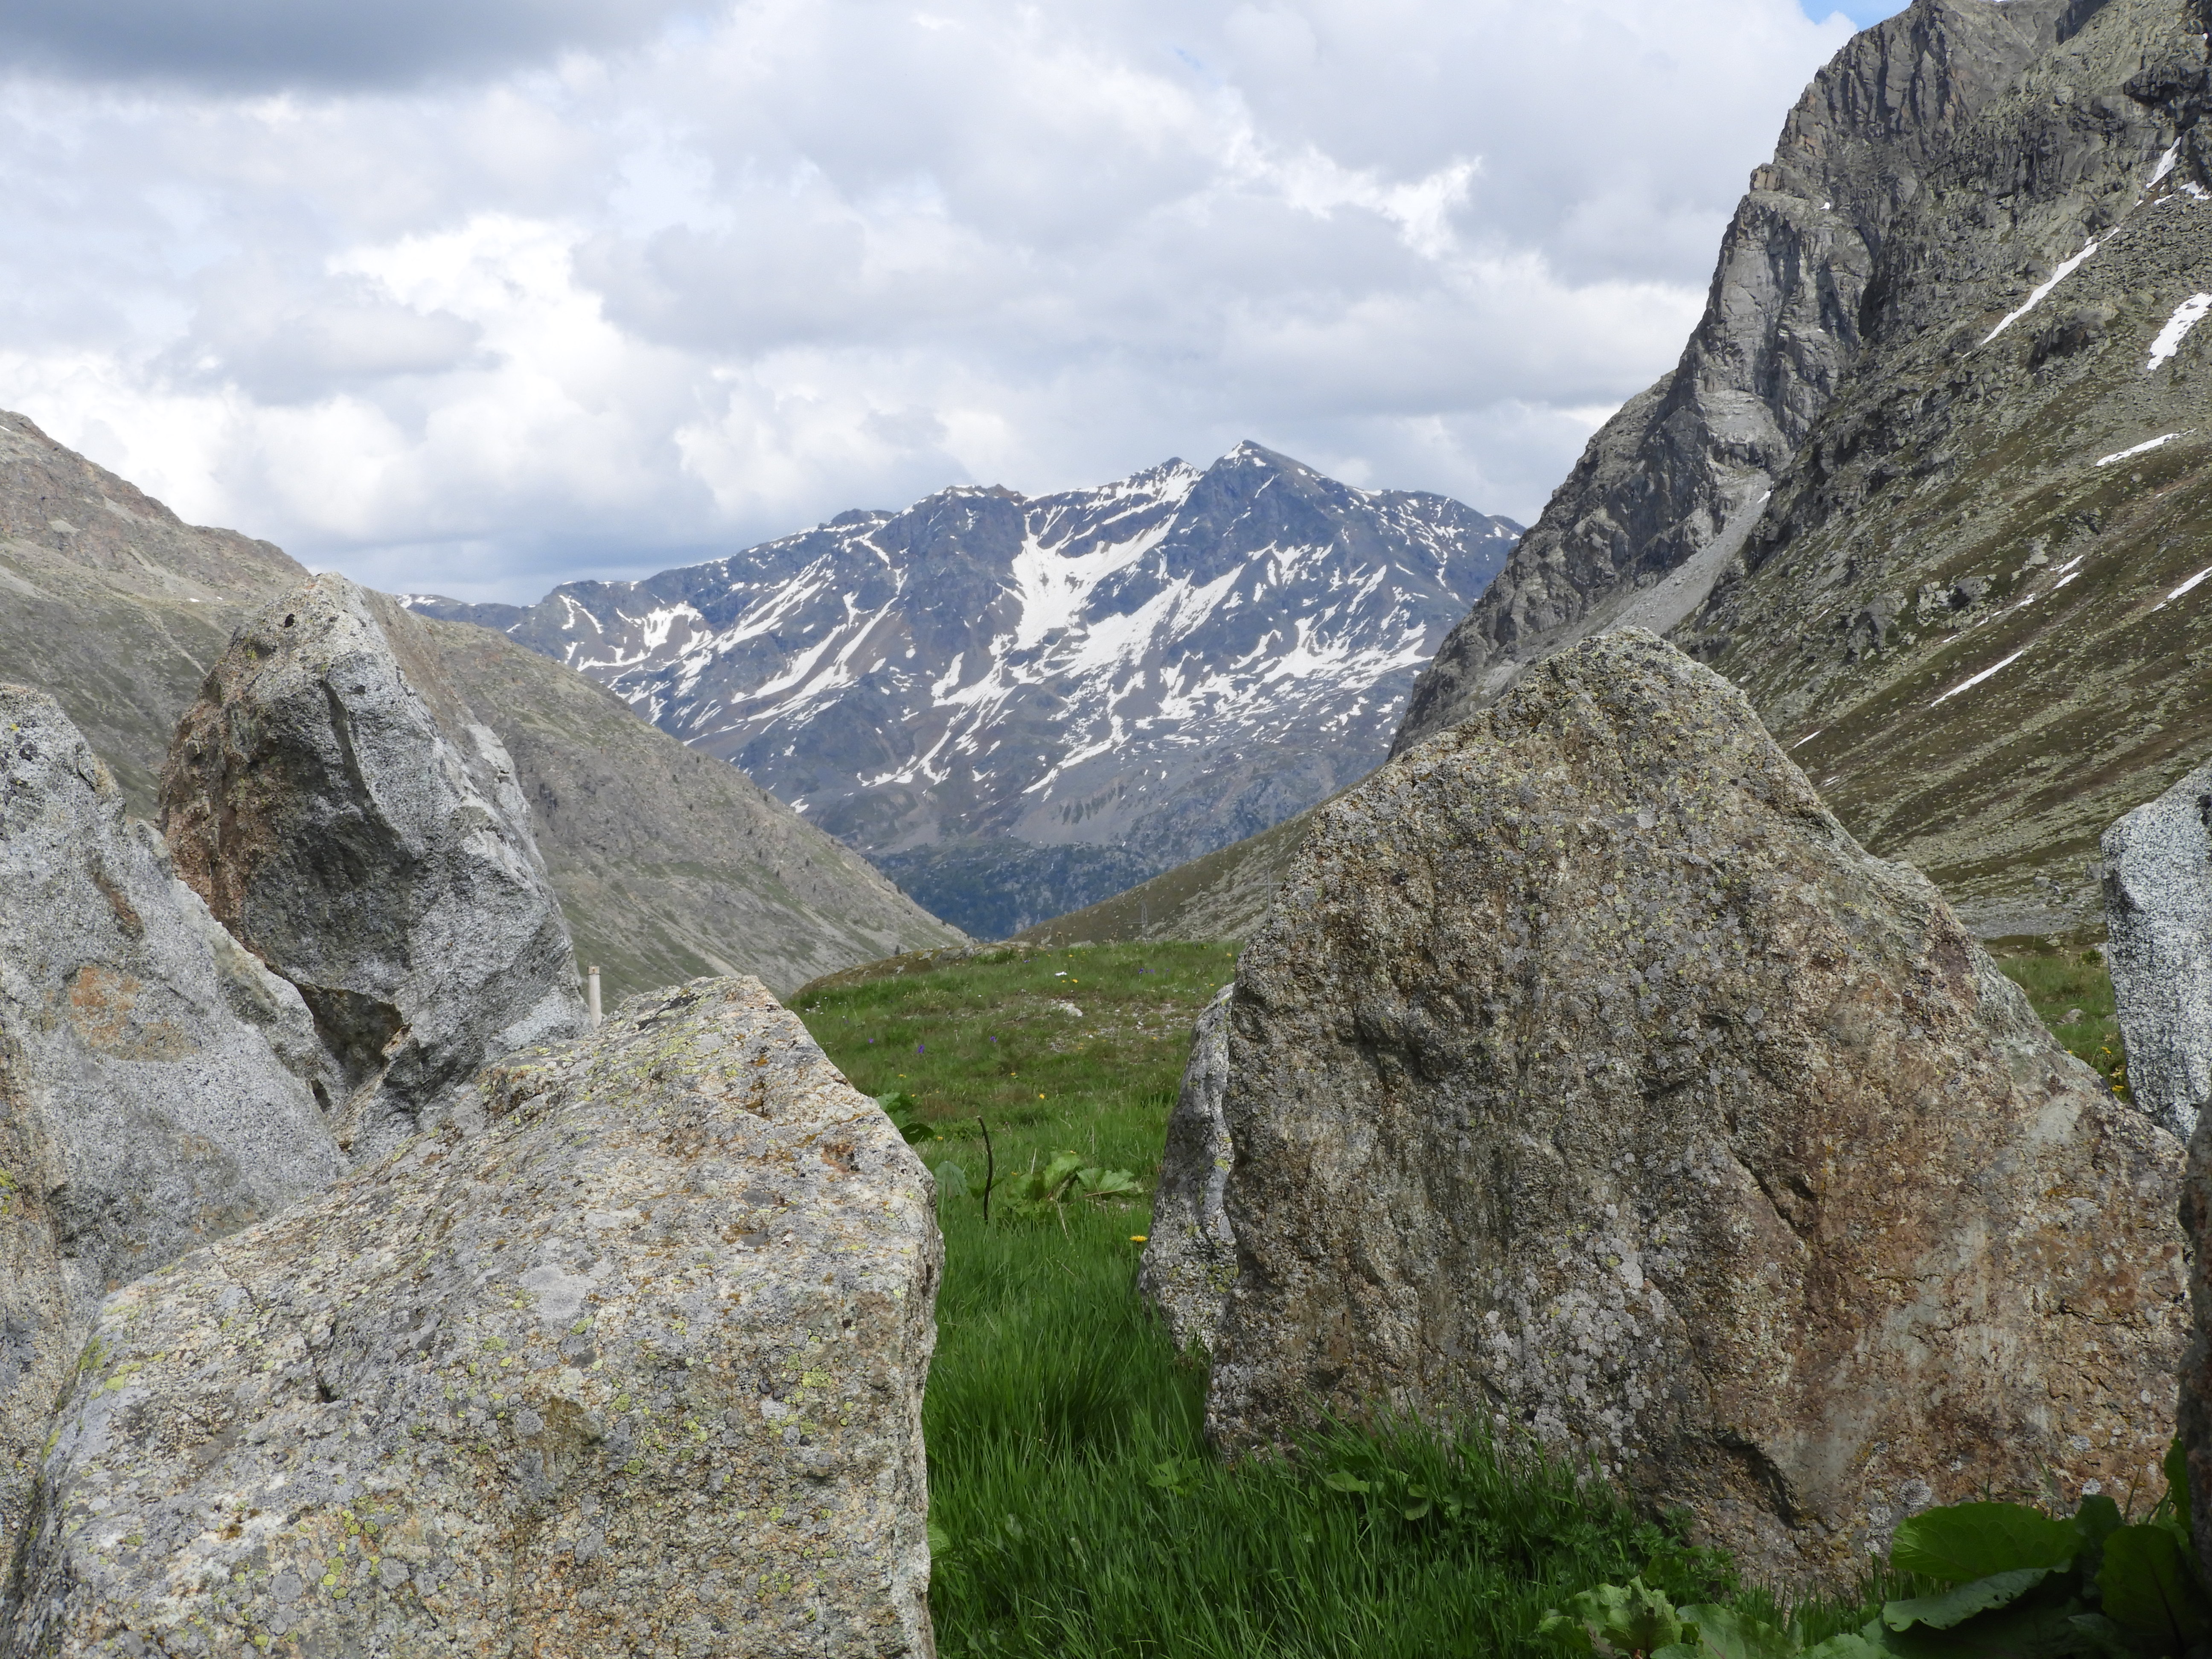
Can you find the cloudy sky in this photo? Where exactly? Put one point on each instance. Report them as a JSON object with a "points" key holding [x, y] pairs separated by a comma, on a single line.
{"points": [[478, 295]]}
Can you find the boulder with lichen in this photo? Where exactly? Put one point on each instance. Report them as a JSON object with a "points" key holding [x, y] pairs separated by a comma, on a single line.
{"points": [[144, 1106], [1589, 1080], [346, 814], [636, 1369]]}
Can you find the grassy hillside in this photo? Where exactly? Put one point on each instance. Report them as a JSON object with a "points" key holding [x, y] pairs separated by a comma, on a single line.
{"points": [[1074, 1509]]}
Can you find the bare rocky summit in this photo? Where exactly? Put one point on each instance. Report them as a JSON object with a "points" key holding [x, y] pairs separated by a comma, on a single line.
{"points": [[2158, 920], [350, 818], [637, 1370], [143, 1110], [1590, 1078], [1665, 495], [1190, 1257]]}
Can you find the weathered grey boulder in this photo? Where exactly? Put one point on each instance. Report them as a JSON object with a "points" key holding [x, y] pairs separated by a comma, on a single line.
{"points": [[636, 1368], [1589, 1079], [346, 814], [141, 1113], [1190, 1257], [2158, 924]]}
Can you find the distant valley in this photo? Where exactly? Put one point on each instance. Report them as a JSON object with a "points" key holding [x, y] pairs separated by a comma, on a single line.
{"points": [[1019, 706]]}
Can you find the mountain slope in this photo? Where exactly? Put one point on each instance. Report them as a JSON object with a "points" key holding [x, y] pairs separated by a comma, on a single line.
{"points": [[1668, 488], [668, 864], [1977, 604], [1018, 704]]}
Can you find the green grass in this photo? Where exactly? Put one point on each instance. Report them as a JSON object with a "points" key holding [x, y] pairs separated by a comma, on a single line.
{"points": [[2072, 993], [1074, 1507]]}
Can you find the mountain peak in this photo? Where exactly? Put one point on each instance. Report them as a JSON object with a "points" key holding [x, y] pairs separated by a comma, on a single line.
{"points": [[1123, 677]]}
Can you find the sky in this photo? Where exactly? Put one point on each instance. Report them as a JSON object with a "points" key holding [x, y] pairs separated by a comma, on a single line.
{"points": [[477, 298]]}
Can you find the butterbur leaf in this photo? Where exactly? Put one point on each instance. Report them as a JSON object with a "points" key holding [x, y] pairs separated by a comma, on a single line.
{"points": [[1850, 1645], [1567, 1634], [1962, 1601], [940, 1541], [952, 1180], [1732, 1634], [1628, 1617], [2097, 1518], [1962, 1542], [2176, 1465], [2148, 1589], [905, 1114], [1344, 1480], [2101, 1637]]}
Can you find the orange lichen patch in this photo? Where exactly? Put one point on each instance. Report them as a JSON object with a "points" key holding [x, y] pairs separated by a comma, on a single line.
{"points": [[105, 1008]]}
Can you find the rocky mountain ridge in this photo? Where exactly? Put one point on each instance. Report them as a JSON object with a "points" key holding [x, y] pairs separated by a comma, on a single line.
{"points": [[1684, 468], [1018, 705], [1974, 605], [1961, 305]]}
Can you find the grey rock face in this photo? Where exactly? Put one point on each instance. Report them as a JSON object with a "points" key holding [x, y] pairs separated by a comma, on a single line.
{"points": [[1693, 458], [636, 1370], [2158, 918], [351, 821], [141, 1110], [1588, 1078], [1022, 705], [1190, 1259], [1973, 607]]}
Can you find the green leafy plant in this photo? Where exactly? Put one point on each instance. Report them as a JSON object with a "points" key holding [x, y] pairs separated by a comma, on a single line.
{"points": [[1066, 1177], [905, 1114], [2009, 1581]]}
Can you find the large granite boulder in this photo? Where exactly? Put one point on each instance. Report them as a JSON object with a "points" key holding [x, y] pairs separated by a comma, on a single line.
{"points": [[143, 1108], [2157, 923], [1190, 1255], [346, 814], [1588, 1078], [636, 1369]]}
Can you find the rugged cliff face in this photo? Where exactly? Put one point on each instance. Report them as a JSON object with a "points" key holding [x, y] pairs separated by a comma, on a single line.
{"points": [[1668, 488], [1973, 608]]}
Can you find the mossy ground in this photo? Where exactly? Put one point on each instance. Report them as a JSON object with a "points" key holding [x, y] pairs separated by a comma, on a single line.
{"points": [[1074, 1509]]}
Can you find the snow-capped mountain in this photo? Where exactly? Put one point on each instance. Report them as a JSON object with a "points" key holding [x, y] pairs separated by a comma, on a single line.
{"points": [[1020, 705]]}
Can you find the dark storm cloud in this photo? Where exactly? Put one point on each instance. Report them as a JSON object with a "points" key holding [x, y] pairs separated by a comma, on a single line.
{"points": [[262, 45]]}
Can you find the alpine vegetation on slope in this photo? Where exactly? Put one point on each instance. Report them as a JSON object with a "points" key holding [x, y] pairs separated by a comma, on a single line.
{"points": [[347, 816], [668, 865], [1977, 604], [2158, 920], [1055, 695], [636, 1370], [1587, 1074], [1668, 488], [143, 1110]]}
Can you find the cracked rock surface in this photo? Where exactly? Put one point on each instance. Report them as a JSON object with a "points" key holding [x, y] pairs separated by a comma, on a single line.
{"points": [[143, 1110], [348, 818], [1190, 1259], [2158, 918], [1589, 1079], [637, 1368]]}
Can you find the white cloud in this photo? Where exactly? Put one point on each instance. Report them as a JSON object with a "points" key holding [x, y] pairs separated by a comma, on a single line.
{"points": [[673, 287]]}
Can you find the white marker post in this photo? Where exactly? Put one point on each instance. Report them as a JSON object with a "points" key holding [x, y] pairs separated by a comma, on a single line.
{"points": [[592, 995]]}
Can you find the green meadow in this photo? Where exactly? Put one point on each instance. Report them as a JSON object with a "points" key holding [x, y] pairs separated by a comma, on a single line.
{"points": [[1073, 1508]]}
